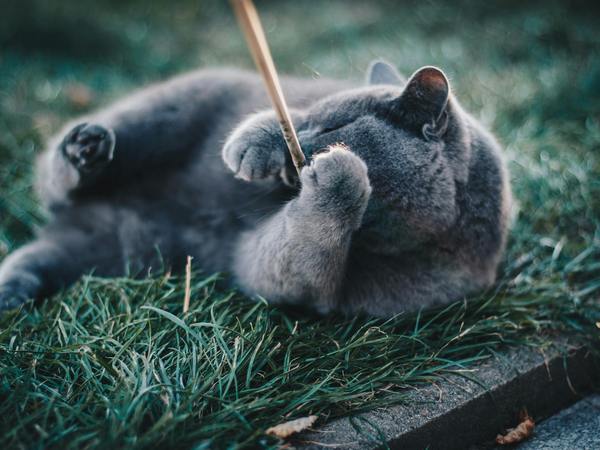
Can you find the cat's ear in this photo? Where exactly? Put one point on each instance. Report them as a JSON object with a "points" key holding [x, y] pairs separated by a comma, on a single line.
{"points": [[424, 100], [427, 91], [380, 72]]}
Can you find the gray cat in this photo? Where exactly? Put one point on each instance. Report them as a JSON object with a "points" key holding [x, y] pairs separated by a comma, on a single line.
{"points": [[404, 204]]}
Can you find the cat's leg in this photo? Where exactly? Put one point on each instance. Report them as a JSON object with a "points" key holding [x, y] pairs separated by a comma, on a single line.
{"points": [[157, 128], [299, 254], [48, 264]]}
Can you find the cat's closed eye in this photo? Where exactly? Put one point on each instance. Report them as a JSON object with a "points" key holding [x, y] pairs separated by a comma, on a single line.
{"points": [[331, 129]]}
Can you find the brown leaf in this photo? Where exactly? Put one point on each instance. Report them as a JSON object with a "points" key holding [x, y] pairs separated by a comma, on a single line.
{"points": [[286, 429], [519, 433]]}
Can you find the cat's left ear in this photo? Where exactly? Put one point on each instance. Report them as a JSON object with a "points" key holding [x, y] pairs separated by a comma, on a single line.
{"points": [[425, 99], [381, 72]]}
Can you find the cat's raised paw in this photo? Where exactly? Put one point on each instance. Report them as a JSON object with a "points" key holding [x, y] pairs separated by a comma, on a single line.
{"points": [[89, 147], [251, 162], [256, 150], [337, 180]]}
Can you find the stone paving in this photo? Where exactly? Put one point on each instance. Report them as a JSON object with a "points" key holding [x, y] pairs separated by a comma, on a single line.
{"points": [[460, 413], [577, 427]]}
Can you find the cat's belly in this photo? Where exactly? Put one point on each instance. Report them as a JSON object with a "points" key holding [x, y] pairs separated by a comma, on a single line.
{"points": [[199, 222]]}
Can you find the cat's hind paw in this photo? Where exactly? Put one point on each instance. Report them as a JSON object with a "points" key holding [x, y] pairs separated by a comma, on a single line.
{"points": [[89, 147]]}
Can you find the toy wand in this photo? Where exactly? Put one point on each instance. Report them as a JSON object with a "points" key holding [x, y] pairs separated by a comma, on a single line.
{"points": [[257, 43]]}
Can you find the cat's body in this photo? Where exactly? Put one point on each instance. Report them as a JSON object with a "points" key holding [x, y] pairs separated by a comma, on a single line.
{"points": [[411, 214]]}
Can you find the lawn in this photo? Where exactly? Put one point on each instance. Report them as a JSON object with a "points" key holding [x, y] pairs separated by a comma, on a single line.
{"points": [[116, 364]]}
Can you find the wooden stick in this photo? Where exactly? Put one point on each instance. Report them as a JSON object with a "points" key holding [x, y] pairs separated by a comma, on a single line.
{"points": [[257, 43]]}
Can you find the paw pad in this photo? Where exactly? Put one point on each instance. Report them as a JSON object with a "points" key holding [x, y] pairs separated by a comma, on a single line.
{"points": [[89, 147]]}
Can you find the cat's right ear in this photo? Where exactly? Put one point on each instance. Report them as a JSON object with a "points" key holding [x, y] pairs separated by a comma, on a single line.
{"points": [[381, 72], [423, 103]]}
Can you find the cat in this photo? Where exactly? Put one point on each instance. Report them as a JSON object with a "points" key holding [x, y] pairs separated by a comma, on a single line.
{"points": [[403, 205]]}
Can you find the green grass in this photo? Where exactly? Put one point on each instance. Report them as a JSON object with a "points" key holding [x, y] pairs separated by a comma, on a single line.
{"points": [[114, 363]]}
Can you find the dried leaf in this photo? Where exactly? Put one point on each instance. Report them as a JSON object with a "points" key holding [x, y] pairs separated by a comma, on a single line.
{"points": [[286, 429], [519, 433]]}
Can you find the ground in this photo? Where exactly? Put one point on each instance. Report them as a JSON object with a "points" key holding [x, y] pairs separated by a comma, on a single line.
{"points": [[575, 427], [115, 363]]}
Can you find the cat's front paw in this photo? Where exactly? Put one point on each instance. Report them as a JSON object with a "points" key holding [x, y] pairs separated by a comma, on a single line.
{"points": [[11, 299], [336, 182], [256, 149], [89, 147], [250, 161]]}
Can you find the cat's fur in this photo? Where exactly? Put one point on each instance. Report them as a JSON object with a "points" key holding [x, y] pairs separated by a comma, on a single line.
{"points": [[411, 211]]}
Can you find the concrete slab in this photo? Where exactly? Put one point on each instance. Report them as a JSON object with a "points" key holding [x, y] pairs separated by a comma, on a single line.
{"points": [[457, 412]]}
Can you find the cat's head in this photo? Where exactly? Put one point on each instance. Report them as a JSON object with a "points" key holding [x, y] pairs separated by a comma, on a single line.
{"points": [[406, 132], [386, 120]]}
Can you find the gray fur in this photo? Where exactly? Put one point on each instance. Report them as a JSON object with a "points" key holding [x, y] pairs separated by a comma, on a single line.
{"points": [[404, 204]]}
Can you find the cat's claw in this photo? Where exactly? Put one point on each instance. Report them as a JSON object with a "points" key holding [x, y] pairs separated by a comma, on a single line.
{"points": [[253, 162], [89, 147], [336, 181]]}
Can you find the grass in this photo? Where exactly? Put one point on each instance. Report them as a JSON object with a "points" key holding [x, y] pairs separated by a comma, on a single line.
{"points": [[115, 363]]}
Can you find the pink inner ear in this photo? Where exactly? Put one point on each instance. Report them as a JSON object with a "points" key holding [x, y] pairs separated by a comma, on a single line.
{"points": [[432, 82], [426, 94]]}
